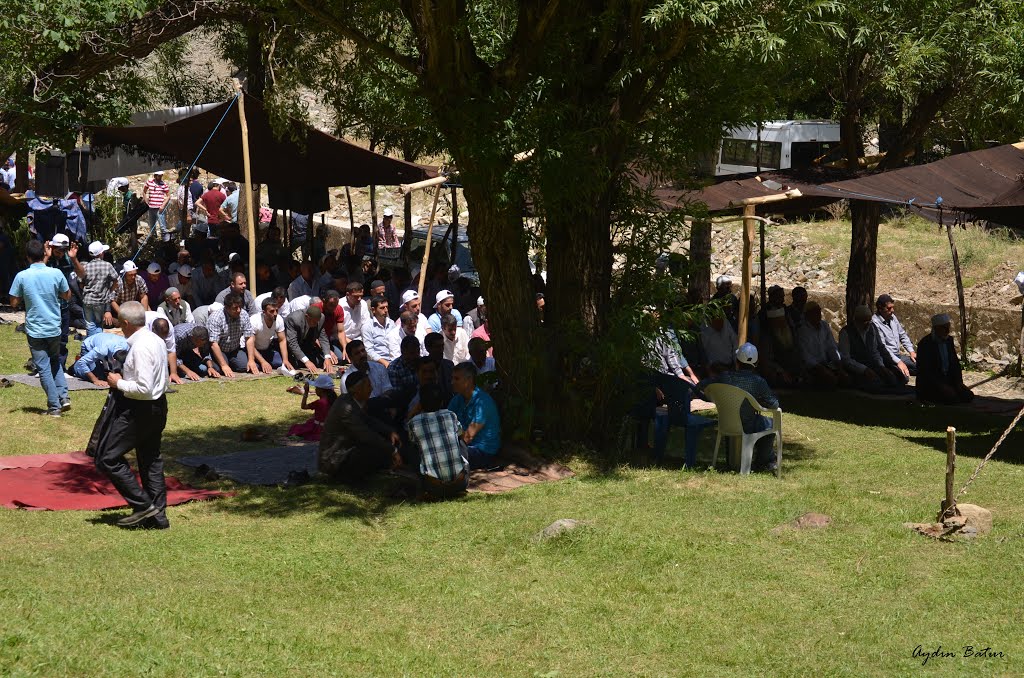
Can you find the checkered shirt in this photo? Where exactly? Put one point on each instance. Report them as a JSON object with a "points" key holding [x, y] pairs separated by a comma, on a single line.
{"points": [[228, 333], [437, 436], [98, 287], [401, 375], [131, 293]]}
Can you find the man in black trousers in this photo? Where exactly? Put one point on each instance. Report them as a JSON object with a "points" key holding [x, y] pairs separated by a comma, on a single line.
{"points": [[134, 418]]}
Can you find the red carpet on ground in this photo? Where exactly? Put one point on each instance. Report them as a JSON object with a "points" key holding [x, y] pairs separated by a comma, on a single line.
{"points": [[63, 482]]}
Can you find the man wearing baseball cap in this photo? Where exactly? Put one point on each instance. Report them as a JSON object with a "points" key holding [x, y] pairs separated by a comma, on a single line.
{"points": [[98, 281], [746, 378], [62, 255], [444, 303], [41, 289], [182, 279], [156, 282], [387, 234], [130, 288], [939, 377]]}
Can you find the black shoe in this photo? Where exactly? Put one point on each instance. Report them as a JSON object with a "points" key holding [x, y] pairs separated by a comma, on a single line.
{"points": [[138, 516], [65, 405], [157, 522], [296, 478], [53, 412]]}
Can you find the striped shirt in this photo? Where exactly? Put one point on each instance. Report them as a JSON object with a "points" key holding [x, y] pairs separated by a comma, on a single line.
{"points": [[436, 434], [156, 194], [98, 284]]}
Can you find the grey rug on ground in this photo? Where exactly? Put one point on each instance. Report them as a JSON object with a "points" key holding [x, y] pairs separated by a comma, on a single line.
{"points": [[269, 466], [76, 384]]}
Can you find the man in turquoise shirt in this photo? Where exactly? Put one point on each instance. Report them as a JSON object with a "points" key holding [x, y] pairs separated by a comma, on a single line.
{"points": [[478, 415], [40, 289]]}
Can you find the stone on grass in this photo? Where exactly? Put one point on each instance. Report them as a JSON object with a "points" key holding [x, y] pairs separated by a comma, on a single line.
{"points": [[804, 522], [558, 528], [976, 517]]}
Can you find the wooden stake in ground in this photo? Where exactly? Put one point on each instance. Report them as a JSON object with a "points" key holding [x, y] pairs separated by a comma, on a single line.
{"points": [[247, 178], [748, 243], [949, 503]]}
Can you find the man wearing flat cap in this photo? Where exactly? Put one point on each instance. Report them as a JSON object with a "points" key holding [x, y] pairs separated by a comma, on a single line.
{"points": [[939, 377]]}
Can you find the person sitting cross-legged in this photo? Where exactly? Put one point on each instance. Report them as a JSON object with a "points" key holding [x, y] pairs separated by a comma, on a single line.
{"points": [[747, 379], [823, 367], [864, 358], [478, 415], [97, 349], [353, 444], [436, 435], [939, 376]]}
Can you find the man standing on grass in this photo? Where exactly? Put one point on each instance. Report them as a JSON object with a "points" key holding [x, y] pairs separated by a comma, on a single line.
{"points": [[40, 289], [135, 419], [98, 285]]}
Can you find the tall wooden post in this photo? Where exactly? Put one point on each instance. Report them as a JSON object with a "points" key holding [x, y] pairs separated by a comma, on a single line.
{"points": [[250, 221], [351, 219], [959, 294], [949, 503], [748, 254], [430, 241]]}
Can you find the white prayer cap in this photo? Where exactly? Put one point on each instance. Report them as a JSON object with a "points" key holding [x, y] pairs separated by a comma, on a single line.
{"points": [[479, 301], [408, 296], [940, 319], [388, 212], [722, 280], [442, 295], [97, 248]]}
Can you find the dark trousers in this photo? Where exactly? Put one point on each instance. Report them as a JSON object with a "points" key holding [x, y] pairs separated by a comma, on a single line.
{"points": [[478, 459], [194, 362], [271, 356], [313, 351], [238, 359], [138, 425]]}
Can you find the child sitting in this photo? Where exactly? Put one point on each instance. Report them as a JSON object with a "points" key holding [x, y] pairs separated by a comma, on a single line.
{"points": [[326, 395]]}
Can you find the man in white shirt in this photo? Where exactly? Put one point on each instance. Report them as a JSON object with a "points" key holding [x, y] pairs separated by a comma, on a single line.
{"points": [[407, 325], [357, 313], [280, 297], [134, 418], [718, 340], [456, 341], [269, 339]]}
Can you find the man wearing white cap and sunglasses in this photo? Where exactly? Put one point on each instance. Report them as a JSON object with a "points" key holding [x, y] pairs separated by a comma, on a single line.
{"points": [[939, 377], [98, 281]]}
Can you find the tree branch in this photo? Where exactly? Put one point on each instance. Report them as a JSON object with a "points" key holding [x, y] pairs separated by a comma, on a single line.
{"points": [[359, 38]]}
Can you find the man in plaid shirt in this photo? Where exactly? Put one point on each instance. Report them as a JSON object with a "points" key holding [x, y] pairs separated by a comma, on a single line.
{"points": [[130, 288], [229, 328], [97, 289], [402, 372], [436, 433]]}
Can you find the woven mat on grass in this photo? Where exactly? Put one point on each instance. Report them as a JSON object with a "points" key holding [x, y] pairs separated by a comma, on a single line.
{"points": [[514, 476], [269, 466]]}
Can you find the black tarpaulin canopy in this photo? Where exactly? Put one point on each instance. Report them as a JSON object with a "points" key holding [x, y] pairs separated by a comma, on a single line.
{"points": [[302, 157]]}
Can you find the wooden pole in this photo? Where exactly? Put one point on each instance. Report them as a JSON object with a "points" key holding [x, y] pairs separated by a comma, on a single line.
{"points": [[959, 294], [748, 255], [430, 241], [250, 221], [949, 503], [351, 217], [426, 183]]}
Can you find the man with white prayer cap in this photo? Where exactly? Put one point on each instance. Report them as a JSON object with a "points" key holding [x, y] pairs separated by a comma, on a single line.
{"points": [[939, 377]]}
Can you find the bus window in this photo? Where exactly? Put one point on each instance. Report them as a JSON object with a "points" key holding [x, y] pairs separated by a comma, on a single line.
{"points": [[744, 152]]}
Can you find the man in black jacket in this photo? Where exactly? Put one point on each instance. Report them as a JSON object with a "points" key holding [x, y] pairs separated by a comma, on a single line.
{"points": [[939, 377], [308, 345], [353, 444]]}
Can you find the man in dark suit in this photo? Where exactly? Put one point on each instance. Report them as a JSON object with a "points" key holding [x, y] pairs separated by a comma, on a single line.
{"points": [[939, 377], [353, 444], [307, 341]]}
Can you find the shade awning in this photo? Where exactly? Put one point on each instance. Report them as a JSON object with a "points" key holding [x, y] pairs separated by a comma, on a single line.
{"points": [[304, 157]]}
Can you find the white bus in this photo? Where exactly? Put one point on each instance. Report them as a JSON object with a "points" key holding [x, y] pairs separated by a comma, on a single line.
{"points": [[785, 144]]}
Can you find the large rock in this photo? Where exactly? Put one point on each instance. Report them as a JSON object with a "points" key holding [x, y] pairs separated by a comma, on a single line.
{"points": [[977, 517]]}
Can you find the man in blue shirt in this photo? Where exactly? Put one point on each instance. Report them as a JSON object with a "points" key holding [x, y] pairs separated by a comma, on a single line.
{"points": [[95, 349], [478, 415], [41, 290]]}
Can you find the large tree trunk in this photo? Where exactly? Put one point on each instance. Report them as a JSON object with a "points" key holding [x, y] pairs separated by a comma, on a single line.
{"points": [[860, 275], [699, 289], [912, 133]]}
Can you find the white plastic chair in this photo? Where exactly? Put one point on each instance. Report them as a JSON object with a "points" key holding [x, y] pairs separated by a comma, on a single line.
{"points": [[727, 400]]}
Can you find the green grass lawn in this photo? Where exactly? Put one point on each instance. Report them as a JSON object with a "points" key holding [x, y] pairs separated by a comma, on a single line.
{"points": [[676, 573]]}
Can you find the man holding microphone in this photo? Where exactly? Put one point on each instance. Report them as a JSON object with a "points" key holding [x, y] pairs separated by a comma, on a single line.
{"points": [[134, 419]]}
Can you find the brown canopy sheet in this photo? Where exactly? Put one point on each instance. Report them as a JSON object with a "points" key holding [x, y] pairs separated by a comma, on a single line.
{"points": [[304, 158]]}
